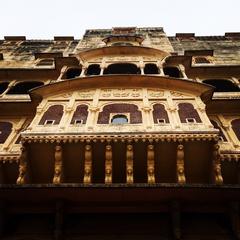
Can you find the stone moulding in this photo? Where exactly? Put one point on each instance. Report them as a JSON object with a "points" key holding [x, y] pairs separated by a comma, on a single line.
{"points": [[40, 138]]}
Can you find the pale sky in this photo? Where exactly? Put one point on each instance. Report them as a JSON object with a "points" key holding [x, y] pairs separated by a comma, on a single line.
{"points": [[44, 19]]}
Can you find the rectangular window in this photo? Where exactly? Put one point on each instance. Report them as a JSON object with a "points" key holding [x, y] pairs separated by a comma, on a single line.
{"points": [[78, 121], [49, 122], [161, 121], [190, 120]]}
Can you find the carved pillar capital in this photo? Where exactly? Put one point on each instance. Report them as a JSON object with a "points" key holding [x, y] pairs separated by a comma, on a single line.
{"points": [[87, 179], [180, 164], [108, 164], [58, 170], [150, 164]]}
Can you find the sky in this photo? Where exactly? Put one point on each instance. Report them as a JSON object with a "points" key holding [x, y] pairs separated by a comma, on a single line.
{"points": [[44, 19]]}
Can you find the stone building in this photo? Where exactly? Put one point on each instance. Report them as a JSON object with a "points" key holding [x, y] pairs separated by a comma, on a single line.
{"points": [[126, 133]]}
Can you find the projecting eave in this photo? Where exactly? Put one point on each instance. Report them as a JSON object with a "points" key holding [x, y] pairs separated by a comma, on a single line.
{"points": [[124, 81], [121, 50]]}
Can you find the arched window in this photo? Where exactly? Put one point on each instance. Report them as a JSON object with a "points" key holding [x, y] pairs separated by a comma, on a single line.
{"points": [[93, 69], [5, 130], [160, 114], [187, 113], [151, 68], [172, 72], [24, 87], [119, 119], [215, 124], [120, 108], [222, 85], [3, 87], [52, 116], [80, 115], [72, 73], [122, 68], [236, 127]]}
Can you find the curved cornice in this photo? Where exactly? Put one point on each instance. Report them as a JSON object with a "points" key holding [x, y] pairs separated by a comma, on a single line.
{"points": [[137, 81], [121, 50]]}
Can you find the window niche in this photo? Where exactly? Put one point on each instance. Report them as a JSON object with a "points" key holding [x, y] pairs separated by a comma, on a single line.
{"points": [[119, 119]]}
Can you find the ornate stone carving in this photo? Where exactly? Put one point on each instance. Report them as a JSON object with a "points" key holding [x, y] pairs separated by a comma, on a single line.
{"points": [[216, 161], [150, 164], [88, 165], [58, 169], [23, 175], [129, 164], [120, 93], [180, 164], [155, 93], [86, 94], [108, 164]]}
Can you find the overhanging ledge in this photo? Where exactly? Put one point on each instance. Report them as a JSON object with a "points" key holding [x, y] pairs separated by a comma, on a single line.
{"points": [[137, 81]]}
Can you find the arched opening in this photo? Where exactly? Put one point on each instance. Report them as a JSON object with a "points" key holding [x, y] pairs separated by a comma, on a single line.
{"points": [[187, 113], [160, 115], [24, 87], [93, 69], [52, 116], [3, 87], [122, 68], [119, 119], [172, 72], [120, 109], [151, 68], [5, 130], [72, 73], [222, 136], [80, 115], [222, 85], [236, 127]]}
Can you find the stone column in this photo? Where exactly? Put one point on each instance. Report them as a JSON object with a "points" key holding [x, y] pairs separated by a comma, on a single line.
{"points": [[180, 165], [160, 67], [173, 112], [87, 179], [150, 164], [23, 176], [182, 69], [58, 169], [216, 166], [108, 164], [91, 117], [129, 164], [66, 118]]}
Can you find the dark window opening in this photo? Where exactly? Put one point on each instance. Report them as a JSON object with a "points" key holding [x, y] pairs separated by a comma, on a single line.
{"points": [[160, 115], [119, 119], [236, 127], [3, 87], [52, 116], [122, 68], [5, 130], [172, 72], [93, 69], [187, 113], [24, 87], [222, 85], [151, 69], [201, 60], [72, 73]]}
